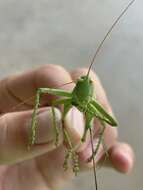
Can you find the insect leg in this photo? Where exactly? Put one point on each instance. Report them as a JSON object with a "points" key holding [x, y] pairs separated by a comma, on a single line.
{"points": [[88, 119], [71, 151], [32, 136], [88, 126], [57, 92], [99, 141], [57, 103], [70, 154], [102, 140], [101, 113], [103, 117]]}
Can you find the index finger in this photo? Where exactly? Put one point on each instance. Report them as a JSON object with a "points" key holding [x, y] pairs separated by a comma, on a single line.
{"points": [[16, 89]]}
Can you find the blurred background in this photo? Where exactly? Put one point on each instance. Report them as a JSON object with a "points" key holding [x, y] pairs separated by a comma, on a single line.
{"points": [[34, 33]]}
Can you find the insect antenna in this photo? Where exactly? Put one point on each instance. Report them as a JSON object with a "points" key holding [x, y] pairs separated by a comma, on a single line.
{"points": [[107, 34], [93, 160], [66, 84]]}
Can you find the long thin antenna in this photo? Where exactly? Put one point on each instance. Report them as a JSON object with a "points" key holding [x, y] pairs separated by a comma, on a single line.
{"points": [[93, 159], [107, 34]]}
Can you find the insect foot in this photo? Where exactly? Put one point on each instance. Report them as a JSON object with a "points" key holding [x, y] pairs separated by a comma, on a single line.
{"points": [[68, 156], [75, 159], [71, 155]]}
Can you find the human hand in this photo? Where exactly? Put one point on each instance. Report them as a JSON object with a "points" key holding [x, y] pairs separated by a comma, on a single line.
{"points": [[41, 167]]}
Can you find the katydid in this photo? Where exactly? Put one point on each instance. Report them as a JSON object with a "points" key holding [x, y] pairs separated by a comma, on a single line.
{"points": [[83, 98]]}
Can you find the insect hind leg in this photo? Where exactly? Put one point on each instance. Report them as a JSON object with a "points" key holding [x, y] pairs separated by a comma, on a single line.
{"points": [[99, 141], [40, 91]]}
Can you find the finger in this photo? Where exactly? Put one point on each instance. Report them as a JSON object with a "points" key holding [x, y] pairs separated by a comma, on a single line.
{"points": [[14, 134], [121, 157], [74, 123], [18, 88]]}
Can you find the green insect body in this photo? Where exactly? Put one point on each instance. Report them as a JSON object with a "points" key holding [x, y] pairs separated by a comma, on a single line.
{"points": [[83, 98]]}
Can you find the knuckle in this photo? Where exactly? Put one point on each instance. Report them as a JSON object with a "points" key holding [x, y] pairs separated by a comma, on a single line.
{"points": [[50, 75], [48, 67]]}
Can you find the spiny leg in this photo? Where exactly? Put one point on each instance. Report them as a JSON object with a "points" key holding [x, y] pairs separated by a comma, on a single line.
{"points": [[71, 151], [88, 126], [103, 117], [94, 108], [101, 113], [57, 92], [99, 142], [70, 154], [32, 135], [56, 129], [104, 146], [101, 163], [102, 139]]}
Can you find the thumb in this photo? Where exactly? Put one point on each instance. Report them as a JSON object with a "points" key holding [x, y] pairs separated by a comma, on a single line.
{"points": [[14, 135]]}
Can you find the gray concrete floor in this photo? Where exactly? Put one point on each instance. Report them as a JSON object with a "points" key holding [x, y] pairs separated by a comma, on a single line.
{"points": [[33, 33]]}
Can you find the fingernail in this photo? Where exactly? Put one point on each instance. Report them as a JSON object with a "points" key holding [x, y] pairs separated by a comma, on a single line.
{"points": [[74, 123], [45, 130], [122, 160]]}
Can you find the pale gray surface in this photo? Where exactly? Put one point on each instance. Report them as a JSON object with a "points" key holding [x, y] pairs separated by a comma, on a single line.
{"points": [[65, 32]]}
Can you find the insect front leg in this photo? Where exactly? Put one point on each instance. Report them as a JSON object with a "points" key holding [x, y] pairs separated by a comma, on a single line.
{"points": [[70, 153], [71, 150], [89, 116], [57, 103], [32, 136], [40, 91]]}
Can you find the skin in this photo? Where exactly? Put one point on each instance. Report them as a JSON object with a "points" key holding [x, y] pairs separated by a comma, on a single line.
{"points": [[41, 166]]}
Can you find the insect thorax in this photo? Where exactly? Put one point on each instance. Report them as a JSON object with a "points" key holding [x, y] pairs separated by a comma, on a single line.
{"points": [[83, 91]]}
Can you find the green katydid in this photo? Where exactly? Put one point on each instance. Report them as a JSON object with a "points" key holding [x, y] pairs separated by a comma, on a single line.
{"points": [[84, 100]]}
